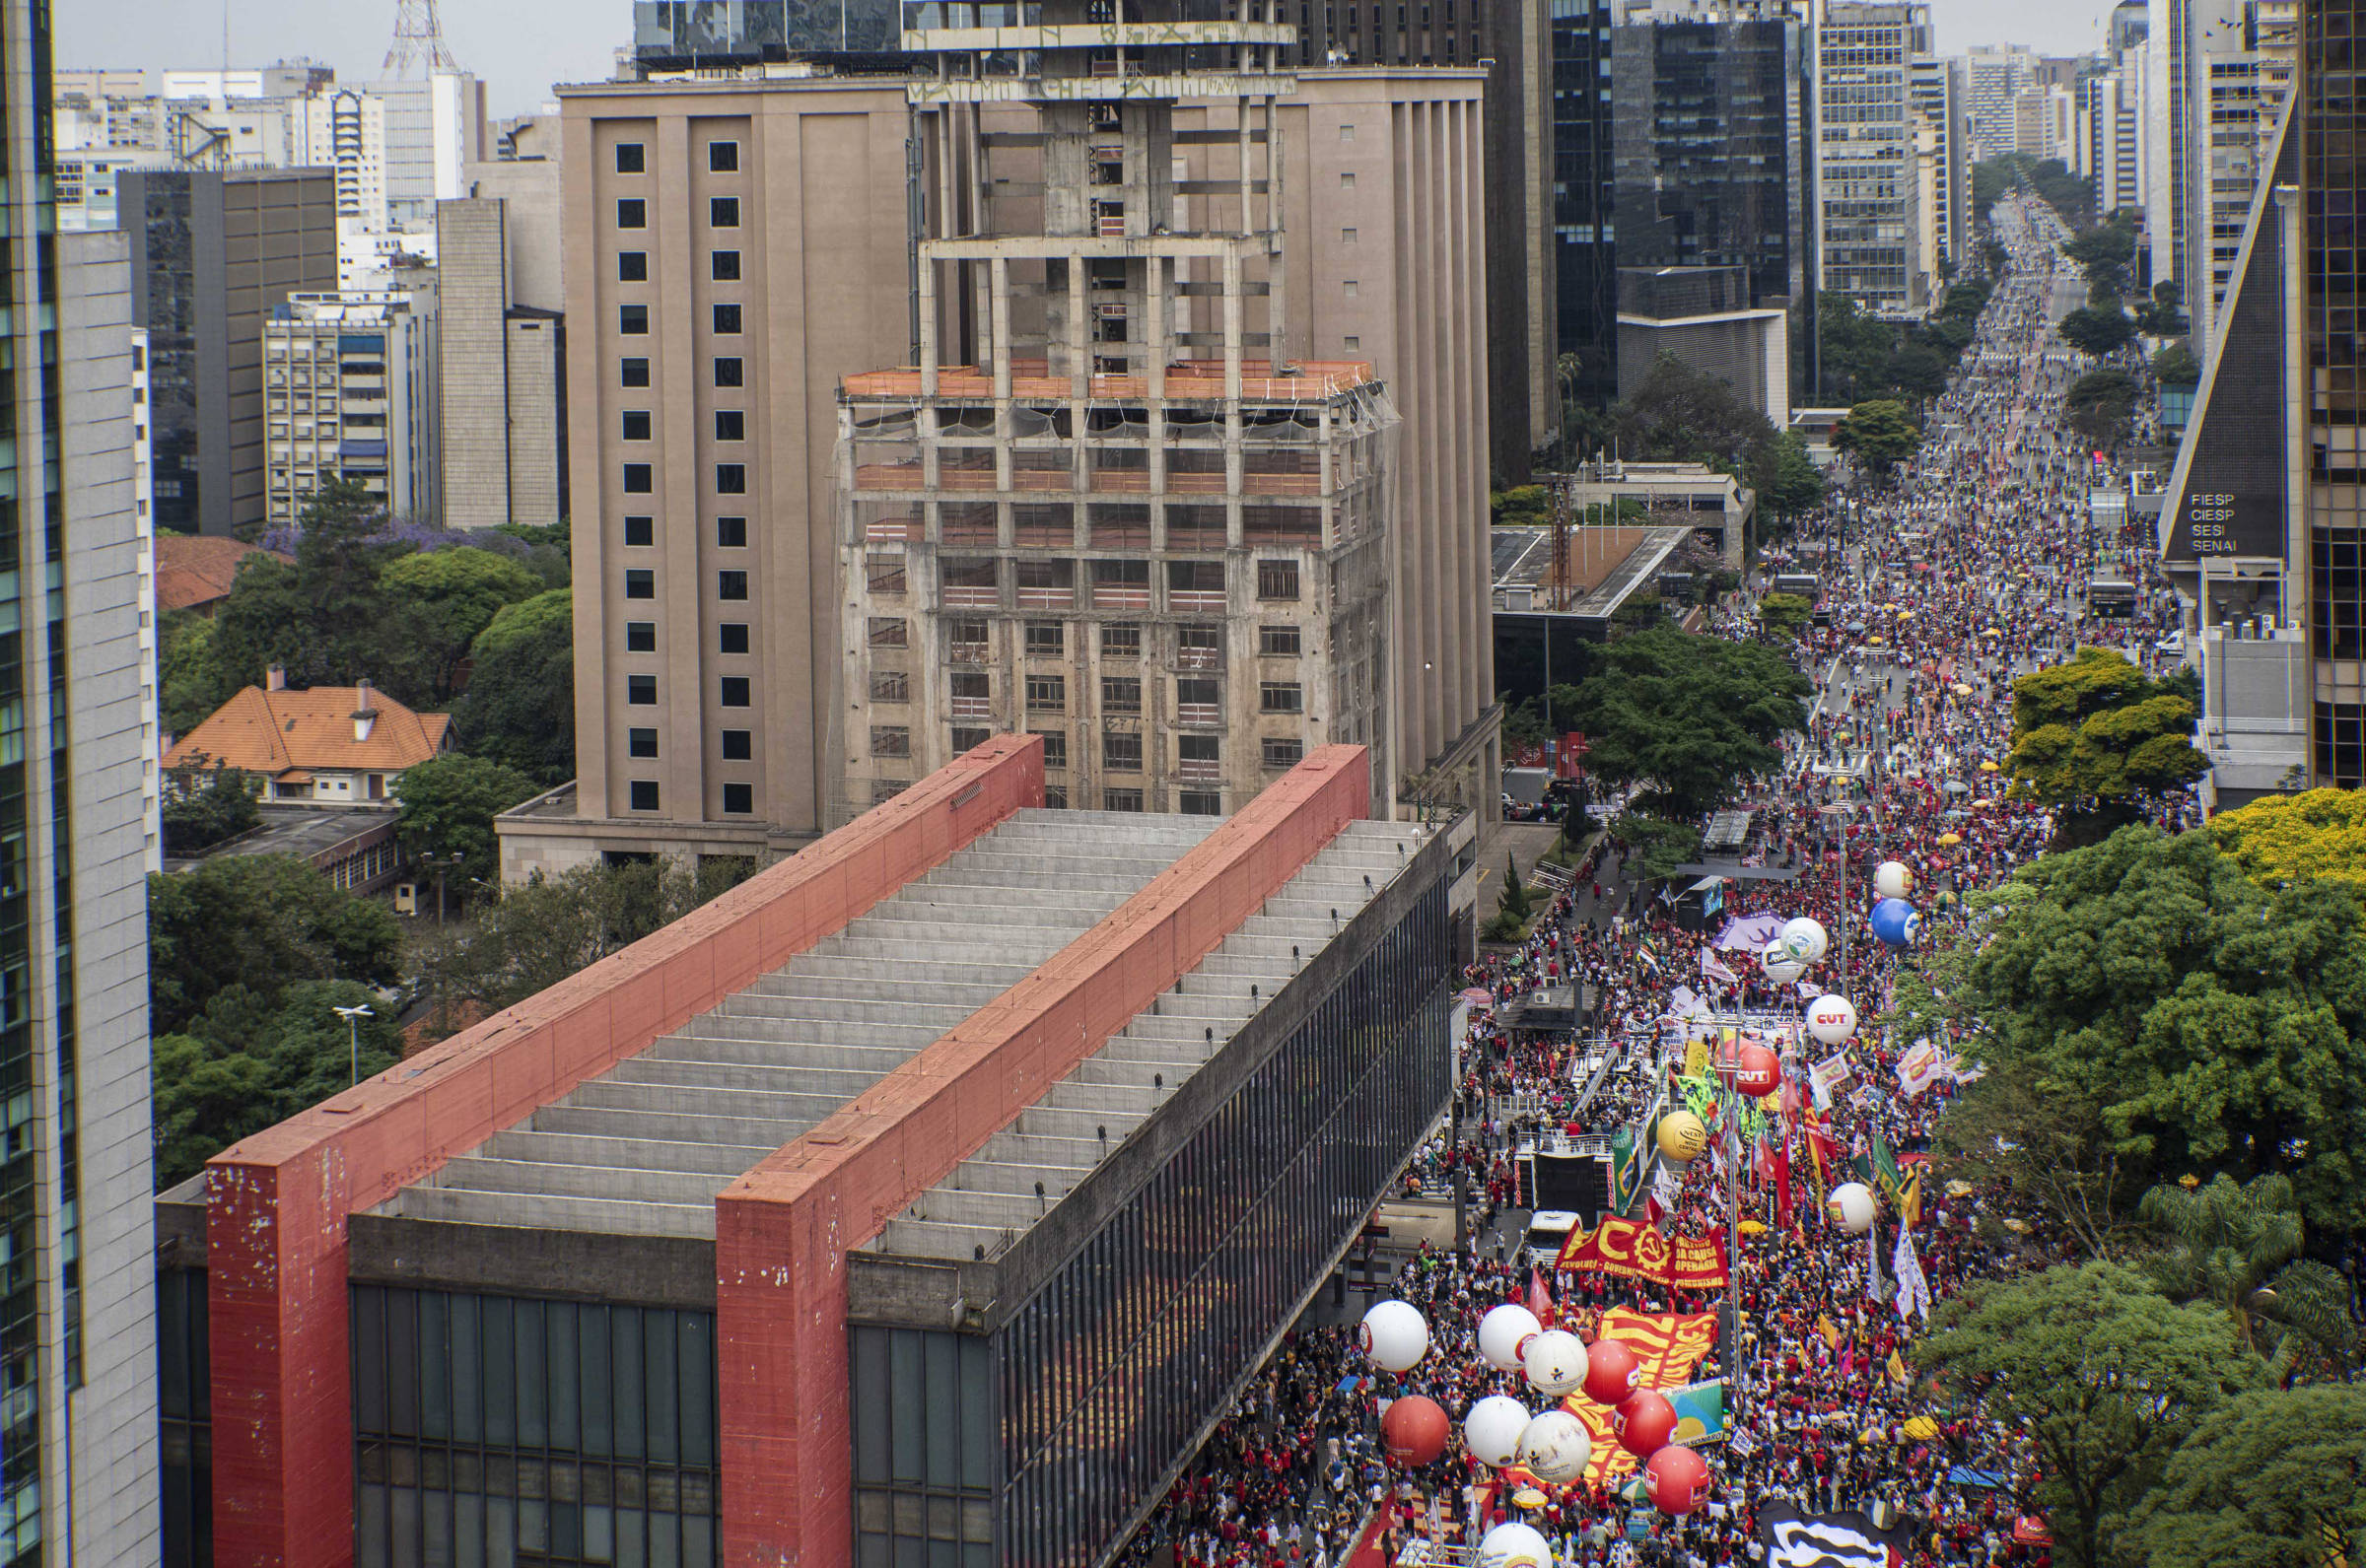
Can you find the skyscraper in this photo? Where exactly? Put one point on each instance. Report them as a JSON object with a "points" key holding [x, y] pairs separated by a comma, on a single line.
{"points": [[78, 1430], [1867, 164], [1585, 253]]}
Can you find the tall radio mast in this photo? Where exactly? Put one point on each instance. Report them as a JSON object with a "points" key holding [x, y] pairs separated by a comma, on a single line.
{"points": [[418, 41]]}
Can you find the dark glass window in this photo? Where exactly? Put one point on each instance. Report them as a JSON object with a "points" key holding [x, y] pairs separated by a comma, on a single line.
{"points": [[639, 478], [641, 742], [632, 266], [633, 321], [639, 531], [724, 265], [722, 212], [632, 213], [641, 690], [734, 691], [731, 532], [739, 799], [730, 479], [644, 798], [636, 424], [640, 637], [733, 637], [729, 373], [640, 582], [726, 319], [635, 373], [631, 159], [731, 583], [723, 157], [738, 745], [731, 423]]}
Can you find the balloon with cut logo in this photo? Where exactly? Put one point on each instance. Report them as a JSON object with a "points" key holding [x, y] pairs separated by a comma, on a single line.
{"points": [[1394, 1335]]}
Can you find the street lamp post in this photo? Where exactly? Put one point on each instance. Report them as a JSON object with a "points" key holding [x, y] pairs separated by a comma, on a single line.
{"points": [[353, 1017]]}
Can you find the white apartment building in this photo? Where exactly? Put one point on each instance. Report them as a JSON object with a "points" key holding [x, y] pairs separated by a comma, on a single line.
{"points": [[349, 391], [1868, 161], [1996, 78]]}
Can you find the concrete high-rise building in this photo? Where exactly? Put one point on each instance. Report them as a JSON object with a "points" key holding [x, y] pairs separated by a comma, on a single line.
{"points": [[501, 368], [1867, 164], [1944, 153], [1702, 318], [349, 392], [79, 1429], [1709, 153], [1996, 78], [398, 148], [212, 256]]}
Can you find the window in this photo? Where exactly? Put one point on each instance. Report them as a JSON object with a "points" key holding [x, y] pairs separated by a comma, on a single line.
{"points": [[633, 321], [1055, 796], [1046, 639], [723, 266], [1047, 694], [730, 479], [1200, 645], [890, 740], [968, 738], [639, 478], [734, 691], [1351, 289], [636, 424], [641, 533], [731, 533], [728, 373], [1199, 749], [631, 159], [739, 799], [1121, 753], [1346, 237], [632, 213], [731, 425], [1121, 801], [636, 373], [1276, 580], [644, 795], [1199, 702], [723, 157], [1280, 697], [640, 582], [1346, 180], [1121, 694], [1200, 804], [887, 631], [632, 266], [1347, 133], [640, 637], [641, 690], [884, 575], [731, 583], [1121, 639], [1282, 753], [890, 686], [972, 685], [1055, 747], [727, 322], [1352, 343], [1277, 641], [733, 636], [722, 212], [738, 745], [641, 742]]}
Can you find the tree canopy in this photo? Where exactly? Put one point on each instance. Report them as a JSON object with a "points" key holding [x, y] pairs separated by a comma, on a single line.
{"points": [[2283, 841], [205, 807], [1690, 719], [444, 599], [2237, 1246], [520, 706], [448, 804], [2214, 1025], [263, 922], [2098, 403], [2097, 331], [2097, 733], [1879, 435], [2104, 1375], [1786, 478], [2269, 1479]]}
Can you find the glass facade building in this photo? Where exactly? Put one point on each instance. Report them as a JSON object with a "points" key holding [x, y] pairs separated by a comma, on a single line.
{"points": [[680, 34], [2329, 123], [1586, 252]]}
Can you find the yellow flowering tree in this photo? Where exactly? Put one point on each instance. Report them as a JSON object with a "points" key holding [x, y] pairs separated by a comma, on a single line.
{"points": [[2283, 841]]}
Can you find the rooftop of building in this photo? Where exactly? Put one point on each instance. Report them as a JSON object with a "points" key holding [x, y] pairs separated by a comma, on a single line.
{"points": [[296, 831], [280, 732], [1606, 567], [196, 570]]}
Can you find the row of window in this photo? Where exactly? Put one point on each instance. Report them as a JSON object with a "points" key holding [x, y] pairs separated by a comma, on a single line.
{"points": [[722, 212], [640, 582], [640, 479], [738, 745], [1120, 753], [632, 320], [634, 373], [723, 157], [641, 690], [632, 266], [739, 799], [731, 533], [731, 423], [640, 636], [1049, 638], [1048, 694]]}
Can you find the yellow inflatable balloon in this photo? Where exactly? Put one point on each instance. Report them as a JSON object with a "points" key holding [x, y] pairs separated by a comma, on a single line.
{"points": [[1682, 1138]]}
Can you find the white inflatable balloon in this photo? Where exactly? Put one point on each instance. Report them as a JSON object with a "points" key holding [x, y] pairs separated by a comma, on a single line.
{"points": [[1514, 1546], [1556, 1362], [1831, 1019], [1893, 880], [1491, 1431], [1784, 971], [1852, 1208], [1555, 1447], [1804, 940], [1394, 1335], [1504, 1335]]}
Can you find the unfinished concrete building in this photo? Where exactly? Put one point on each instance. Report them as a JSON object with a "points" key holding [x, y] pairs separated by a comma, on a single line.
{"points": [[1108, 506]]}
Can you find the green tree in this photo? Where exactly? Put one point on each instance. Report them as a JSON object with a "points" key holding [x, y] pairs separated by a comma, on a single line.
{"points": [[2101, 1373], [1785, 613], [1682, 415], [448, 804], [2098, 405], [2105, 253], [2281, 841], [1786, 478], [207, 807], [1513, 901], [1690, 719], [191, 682], [1522, 507], [2269, 1479], [548, 929], [323, 617], [260, 922], [2237, 1246], [2048, 1147], [2176, 365], [1654, 847], [2096, 735], [444, 599], [520, 706], [2216, 1025], [2098, 332], [2163, 316], [1879, 435]]}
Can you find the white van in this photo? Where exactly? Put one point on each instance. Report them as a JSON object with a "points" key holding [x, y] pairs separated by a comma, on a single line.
{"points": [[1547, 1232]]}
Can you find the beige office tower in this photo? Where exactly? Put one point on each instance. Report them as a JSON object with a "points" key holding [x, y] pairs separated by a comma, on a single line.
{"points": [[1129, 499]]}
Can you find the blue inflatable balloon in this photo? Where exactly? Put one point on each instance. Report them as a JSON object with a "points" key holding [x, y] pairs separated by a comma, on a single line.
{"points": [[1896, 923]]}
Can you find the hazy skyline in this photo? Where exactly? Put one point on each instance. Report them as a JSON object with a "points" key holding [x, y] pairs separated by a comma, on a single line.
{"points": [[520, 48]]}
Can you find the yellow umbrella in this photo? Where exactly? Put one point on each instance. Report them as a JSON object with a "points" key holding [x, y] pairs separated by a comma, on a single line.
{"points": [[1995, 631], [1988, 766], [1951, 839], [1528, 1497], [1961, 690], [1751, 1227], [1922, 1428]]}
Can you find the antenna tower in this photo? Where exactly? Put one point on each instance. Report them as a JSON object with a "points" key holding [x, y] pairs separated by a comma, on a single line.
{"points": [[418, 41]]}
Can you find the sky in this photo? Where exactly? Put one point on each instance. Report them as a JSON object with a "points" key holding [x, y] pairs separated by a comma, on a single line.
{"points": [[519, 48]]}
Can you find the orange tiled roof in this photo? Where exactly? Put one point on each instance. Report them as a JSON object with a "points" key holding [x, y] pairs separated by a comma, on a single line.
{"points": [[278, 733], [192, 570]]}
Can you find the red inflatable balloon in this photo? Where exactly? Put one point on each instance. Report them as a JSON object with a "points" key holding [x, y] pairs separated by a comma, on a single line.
{"points": [[1414, 1430], [1759, 1072], [1610, 1372], [1678, 1478], [1644, 1423]]}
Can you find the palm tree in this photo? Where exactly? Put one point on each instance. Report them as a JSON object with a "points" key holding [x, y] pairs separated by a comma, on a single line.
{"points": [[1565, 372], [2240, 1246]]}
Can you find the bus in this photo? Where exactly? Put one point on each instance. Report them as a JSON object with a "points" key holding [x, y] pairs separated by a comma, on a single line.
{"points": [[2111, 598]]}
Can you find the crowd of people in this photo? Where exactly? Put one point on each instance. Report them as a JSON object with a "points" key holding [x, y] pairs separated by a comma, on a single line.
{"points": [[1972, 567]]}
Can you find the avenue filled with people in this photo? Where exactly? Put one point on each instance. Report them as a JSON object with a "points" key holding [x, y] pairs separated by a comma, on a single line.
{"points": [[1974, 564]]}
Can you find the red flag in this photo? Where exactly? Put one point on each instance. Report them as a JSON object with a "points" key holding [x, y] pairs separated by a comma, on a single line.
{"points": [[1783, 1182], [1540, 1300]]}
